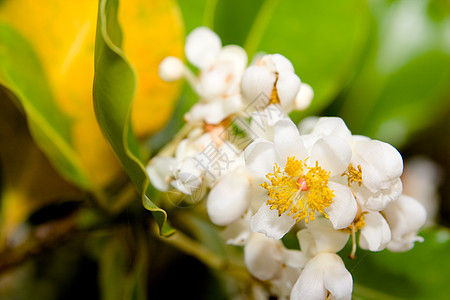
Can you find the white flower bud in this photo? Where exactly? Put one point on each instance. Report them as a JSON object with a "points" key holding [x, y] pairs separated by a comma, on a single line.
{"points": [[304, 97], [171, 69]]}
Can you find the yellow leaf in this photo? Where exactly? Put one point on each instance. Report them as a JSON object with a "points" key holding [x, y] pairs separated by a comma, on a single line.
{"points": [[63, 35], [145, 49]]}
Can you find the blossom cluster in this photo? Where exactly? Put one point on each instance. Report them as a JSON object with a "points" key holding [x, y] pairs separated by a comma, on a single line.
{"points": [[263, 177]]}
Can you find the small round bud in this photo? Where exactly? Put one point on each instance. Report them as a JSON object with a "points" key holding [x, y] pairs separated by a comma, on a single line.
{"points": [[304, 97], [171, 68]]}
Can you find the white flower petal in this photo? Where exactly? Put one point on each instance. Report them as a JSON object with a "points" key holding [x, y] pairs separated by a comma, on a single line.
{"points": [[324, 272], [304, 97], [310, 285], [288, 85], [375, 235], [379, 199], [342, 211], [227, 201], [235, 56], [281, 63], [159, 171], [263, 256], [380, 163], [257, 84], [287, 140], [332, 153], [268, 222], [332, 126], [188, 177], [294, 258], [238, 232], [337, 279], [306, 126], [325, 237], [405, 217], [202, 46], [260, 157], [213, 83], [171, 68]]}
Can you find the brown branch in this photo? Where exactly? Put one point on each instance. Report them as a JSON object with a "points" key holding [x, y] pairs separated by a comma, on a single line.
{"points": [[42, 238]]}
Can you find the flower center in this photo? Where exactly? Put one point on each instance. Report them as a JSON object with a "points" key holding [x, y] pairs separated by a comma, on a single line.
{"points": [[299, 190]]}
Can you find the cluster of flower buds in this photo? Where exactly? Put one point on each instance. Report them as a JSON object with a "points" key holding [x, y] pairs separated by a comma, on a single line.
{"points": [[262, 176]]}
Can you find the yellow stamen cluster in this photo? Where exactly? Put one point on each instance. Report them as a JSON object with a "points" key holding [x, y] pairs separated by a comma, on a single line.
{"points": [[288, 193], [353, 175], [274, 98]]}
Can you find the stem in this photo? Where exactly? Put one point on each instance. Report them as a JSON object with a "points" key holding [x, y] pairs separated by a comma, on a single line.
{"points": [[353, 253], [191, 247], [259, 26], [42, 238]]}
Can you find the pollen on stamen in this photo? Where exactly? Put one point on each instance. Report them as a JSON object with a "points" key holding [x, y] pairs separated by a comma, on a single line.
{"points": [[299, 190], [353, 175]]}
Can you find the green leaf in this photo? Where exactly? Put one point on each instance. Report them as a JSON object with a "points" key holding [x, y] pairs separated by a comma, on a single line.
{"points": [[421, 273], [114, 90], [402, 86], [123, 267], [323, 39], [194, 13], [243, 14], [22, 75]]}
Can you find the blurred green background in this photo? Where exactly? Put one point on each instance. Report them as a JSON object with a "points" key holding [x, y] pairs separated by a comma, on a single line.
{"points": [[383, 66]]}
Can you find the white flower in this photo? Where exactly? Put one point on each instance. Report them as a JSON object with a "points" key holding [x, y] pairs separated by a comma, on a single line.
{"points": [[263, 256], [218, 83], [227, 201], [405, 217], [268, 260], [381, 167], [200, 160], [324, 271], [375, 167], [160, 171], [273, 77], [263, 121], [300, 181], [202, 47], [171, 69], [375, 234]]}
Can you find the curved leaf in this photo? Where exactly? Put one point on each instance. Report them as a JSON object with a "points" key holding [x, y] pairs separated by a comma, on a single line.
{"points": [[22, 75], [114, 91], [63, 36]]}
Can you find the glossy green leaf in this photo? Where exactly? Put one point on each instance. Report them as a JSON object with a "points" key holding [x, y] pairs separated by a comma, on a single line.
{"points": [[194, 13], [323, 39], [403, 82], [114, 89], [243, 14], [22, 75], [421, 273]]}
